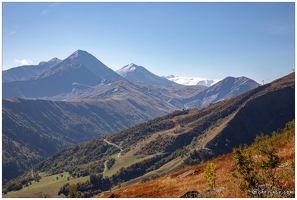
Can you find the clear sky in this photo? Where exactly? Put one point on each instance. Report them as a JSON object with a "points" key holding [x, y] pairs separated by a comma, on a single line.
{"points": [[208, 40]]}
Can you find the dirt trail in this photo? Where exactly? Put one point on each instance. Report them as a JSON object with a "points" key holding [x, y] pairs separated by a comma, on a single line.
{"points": [[105, 166], [117, 146]]}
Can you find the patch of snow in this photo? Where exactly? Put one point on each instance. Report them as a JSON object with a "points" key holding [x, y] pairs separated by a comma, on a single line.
{"points": [[194, 81]]}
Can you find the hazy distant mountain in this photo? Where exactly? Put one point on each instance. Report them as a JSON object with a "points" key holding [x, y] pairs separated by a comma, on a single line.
{"points": [[60, 79], [82, 76], [192, 80], [80, 68], [226, 88], [134, 73], [94, 65], [27, 72]]}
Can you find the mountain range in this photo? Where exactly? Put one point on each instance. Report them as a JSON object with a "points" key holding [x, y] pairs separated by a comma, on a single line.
{"points": [[184, 137], [55, 104]]}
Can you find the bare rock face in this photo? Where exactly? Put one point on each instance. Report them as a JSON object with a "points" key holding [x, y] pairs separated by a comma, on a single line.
{"points": [[210, 192], [190, 194], [204, 194]]}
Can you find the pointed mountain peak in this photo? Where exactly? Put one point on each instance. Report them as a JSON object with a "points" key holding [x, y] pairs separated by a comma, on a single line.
{"points": [[93, 64], [134, 72], [132, 67], [127, 69], [79, 53]]}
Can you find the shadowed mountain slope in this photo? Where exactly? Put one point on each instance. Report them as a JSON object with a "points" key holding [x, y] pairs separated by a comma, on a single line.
{"points": [[44, 127]]}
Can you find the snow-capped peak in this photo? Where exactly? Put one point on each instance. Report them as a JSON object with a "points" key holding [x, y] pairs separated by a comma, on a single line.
{"points": [[126, 69], [131, 67]]}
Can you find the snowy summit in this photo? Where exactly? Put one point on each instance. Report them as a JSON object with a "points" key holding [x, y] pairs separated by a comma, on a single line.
{"points": [[126, 69]]}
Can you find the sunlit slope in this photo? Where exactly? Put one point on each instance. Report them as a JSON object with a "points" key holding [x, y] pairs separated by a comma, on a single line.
{"points": [[177, 184]]}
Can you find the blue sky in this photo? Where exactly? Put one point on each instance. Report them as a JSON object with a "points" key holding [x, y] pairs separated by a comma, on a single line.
{"points": [[208, 40]]}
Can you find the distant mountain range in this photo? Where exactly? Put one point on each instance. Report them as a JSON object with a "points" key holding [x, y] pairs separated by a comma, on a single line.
{"points": [[54, 104], [82, 76], [192, 80]]}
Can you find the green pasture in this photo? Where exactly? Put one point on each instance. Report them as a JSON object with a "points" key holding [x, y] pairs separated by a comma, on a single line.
{"points": [[50, 185], [123, 161]]}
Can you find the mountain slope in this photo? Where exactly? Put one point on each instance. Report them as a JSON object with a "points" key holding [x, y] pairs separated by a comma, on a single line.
{"points": [[135, 73], [16, 157], [171, 94], [224, 89], [59, 81], [196, 135], [44, 127], [79, 68], [94, 65], [191, 178], [209, 124], [23, 73]]}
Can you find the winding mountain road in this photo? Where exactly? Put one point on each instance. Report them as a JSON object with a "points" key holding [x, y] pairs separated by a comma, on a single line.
{"points": [[105, 166], [114, 145]]}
